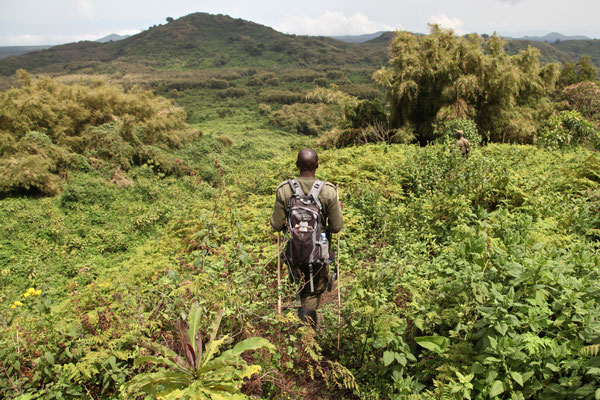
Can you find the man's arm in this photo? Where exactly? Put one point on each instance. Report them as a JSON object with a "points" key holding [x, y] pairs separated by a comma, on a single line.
{"points": [[278, 214], [335, 221]]}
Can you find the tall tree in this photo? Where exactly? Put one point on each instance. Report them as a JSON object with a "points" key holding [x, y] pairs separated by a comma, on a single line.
{"points": [[586, 71], [441, 76]]}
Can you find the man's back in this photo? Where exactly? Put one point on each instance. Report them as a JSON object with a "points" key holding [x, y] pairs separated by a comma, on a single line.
{"points": [[464, 145], [328, 198]]}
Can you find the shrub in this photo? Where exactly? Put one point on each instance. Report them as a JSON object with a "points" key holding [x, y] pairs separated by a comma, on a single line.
{"points": [[445, 132], [279, 96], [365, 113], [233, 92], [264, 109], [568, 128], [306, 119], [322, 82], [584, 97], [301, 75], [442, 76], [334, 74], [48, 128], [215, 83], [273, 81]]}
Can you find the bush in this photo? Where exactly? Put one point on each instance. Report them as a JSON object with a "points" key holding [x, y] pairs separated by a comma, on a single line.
{"points": [[442, 76], [279, 96], [215, 83], [264, 109], [568, 128], [584, 97], [233, 92], [334, 75], [445, 132], [306, 119], [48, 128], [365, 113]]}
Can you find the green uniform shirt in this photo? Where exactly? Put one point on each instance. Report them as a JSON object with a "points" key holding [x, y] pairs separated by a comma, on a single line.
{"points": [[328, 198], [464, 145]]}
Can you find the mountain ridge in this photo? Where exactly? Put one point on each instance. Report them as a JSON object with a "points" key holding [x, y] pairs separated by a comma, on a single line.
{"points": [[208, 41]]}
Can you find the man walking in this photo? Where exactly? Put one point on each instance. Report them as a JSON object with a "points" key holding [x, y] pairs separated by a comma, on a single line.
{"points": [[462, 143], [312, 275]]}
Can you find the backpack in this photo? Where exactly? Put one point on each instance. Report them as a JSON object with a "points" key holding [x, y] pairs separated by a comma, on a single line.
{"points": [[305, 224]]}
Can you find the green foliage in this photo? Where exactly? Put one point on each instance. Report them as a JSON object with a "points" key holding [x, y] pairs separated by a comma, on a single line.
{"points": [[582, 71], [279, 96], [584, 97], [305, 119], [201, 41], [203, 374], [568, 128], [441, 76], [48, 129], [445, 132], [461, 278]]}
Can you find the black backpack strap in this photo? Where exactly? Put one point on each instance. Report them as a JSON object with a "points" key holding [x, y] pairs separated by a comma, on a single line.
{"points": [[296, 187], [314, 192]]}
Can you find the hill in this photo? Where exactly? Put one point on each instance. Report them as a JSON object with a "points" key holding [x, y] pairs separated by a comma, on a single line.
{"points": [[112, 38], [553, 37], [205, 41], [199, 41], [6, 51], [358, 38]]}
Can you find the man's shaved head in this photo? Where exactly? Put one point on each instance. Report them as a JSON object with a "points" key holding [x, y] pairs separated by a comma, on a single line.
{"points": [[308, 160]]}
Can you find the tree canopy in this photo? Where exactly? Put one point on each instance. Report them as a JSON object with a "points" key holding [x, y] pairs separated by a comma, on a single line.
{"points": [[441, 76]]}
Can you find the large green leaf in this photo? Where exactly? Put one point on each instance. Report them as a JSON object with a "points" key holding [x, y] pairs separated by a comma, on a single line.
{"points": [[497, 389], [211, 349], [388, 358], [436, 344], [150, 382], [214, 328], [194, 321], [252, 343], [160, 361]]}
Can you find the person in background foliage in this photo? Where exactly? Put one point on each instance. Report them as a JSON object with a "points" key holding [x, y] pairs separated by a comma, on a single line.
{"points": [[462, 143], [305, 187]]}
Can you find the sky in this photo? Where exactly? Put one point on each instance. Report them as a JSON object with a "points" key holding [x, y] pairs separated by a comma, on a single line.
{"points": [[43, 22]]}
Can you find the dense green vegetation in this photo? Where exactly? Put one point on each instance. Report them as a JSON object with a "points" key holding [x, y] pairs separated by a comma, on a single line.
{"points": [[149, 267]]}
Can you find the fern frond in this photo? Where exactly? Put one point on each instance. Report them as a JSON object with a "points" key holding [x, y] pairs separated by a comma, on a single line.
{"points": [[590, 351]]}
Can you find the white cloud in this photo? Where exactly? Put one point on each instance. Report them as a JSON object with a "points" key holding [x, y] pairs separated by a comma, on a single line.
{"points": [[85, 8], [124, 32], [38, 40], [448, 22], [331, 23], [512, 2]]}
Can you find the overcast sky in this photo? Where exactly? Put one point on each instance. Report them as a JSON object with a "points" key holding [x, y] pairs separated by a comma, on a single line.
{"points": [[39, 22]]}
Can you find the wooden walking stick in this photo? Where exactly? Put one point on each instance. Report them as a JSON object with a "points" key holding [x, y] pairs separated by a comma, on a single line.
{"points": [[278, 272], [337, 266]]}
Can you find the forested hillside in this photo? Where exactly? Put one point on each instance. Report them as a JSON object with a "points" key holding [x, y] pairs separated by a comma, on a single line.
{"points": [[136, 184]]}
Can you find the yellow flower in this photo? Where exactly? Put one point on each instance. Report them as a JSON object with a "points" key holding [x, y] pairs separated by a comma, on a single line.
{"points": [[26, 294], [13, 306], [17, 303], [38, 292], [31, 290]]}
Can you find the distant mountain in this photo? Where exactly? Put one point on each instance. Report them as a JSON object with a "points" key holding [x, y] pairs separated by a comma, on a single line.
{"points": [[200, 41], [358, 38], [205, 41], [112, 38], [6, 51], [553, 37]]}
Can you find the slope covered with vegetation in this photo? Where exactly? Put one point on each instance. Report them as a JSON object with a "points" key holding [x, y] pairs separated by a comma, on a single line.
{"points": [[150, 268], [198, 41]]}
